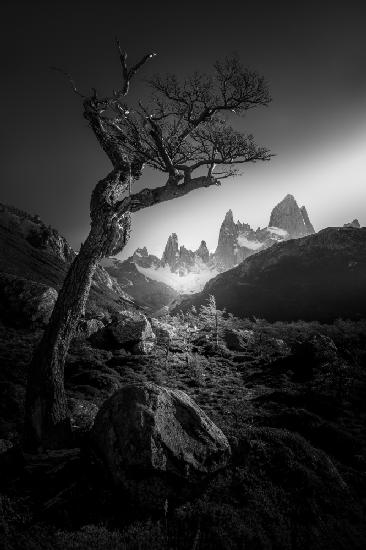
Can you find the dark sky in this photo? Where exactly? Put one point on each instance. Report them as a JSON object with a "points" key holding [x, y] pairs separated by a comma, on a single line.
{"points": [[313, 54]]}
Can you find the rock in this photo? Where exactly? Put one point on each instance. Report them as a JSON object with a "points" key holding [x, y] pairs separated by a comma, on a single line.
{"points": [[132, 330], [82, 414], [225, 251], [131, 276], [288, 216], [35, 232], [88, 327], [237, 241], [308, 225], [142, 258], [151, 436], [171, 252], [280, 346], [355, 223], [203, 252], [49, 239], [181, 260], [186, 261], [238, 340], [25, 302]]}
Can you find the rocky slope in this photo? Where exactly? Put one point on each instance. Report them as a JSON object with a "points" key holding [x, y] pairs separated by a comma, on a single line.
{"points": [[319, 277], [33, 254], [130, 275]]}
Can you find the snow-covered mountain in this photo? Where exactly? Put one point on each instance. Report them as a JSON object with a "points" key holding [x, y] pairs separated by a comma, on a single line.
{"points": [[186, 271]]}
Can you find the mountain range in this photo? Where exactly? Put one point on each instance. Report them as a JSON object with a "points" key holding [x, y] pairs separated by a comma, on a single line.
{"points": [[183, 271], [281, 272], [318, 277]]}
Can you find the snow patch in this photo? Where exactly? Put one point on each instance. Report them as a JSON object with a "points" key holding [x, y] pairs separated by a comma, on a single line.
{"points": [[252, 245], [186, 284], [278, 231]]}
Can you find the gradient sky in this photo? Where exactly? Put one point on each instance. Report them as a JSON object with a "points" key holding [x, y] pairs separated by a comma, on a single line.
{"points": [[313, 54]]}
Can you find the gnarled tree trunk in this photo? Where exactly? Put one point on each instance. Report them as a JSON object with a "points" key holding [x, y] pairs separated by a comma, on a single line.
{"points": [[47, 422]]}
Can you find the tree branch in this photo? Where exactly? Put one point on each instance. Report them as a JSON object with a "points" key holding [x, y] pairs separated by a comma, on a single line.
{"points": [[128, 74], [149, 197], [70, 79]]}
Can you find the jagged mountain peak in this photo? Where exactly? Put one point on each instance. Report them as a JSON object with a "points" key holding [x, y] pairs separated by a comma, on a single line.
{"points": [[229, 216], [289, 198], [141, 251], [354, 223], [288, 216], [171, 251], [309, 226]]}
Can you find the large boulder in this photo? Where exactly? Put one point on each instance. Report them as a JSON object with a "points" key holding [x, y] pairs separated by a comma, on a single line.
{"points": [[132, 330], [87, 327], [26, 302], [82, 414], [149, 437], [238, 340]]}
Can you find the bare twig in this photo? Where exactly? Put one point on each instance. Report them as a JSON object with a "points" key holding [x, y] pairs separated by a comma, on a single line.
{"points": [[128, 74], [70, 79]]}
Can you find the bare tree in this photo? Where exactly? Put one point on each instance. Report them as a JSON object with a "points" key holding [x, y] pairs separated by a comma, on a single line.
{"points": [[184, 132]]}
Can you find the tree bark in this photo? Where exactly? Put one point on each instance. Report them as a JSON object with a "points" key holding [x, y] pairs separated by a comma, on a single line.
{"points": [[47, 422]]}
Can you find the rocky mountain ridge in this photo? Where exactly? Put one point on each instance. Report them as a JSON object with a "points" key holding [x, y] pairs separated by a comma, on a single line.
{"points": [[187, 271], [318, 277], [34, 259]]}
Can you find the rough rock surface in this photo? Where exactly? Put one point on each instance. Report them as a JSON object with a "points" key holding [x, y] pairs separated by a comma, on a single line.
{"points": [[355, 223], [142, 258], [203, 252], [288, 216], [82, 414], [88, 327], [171, 251], [237, 241], [225, 254], [36, 232], [238, 339], [33, 251], [308, 225], [25, 302], [147, 432], [132, 330], [148, 293]]}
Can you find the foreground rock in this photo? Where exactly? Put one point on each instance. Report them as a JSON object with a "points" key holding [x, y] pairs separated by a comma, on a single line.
{"points": [[150, 437], [25, 302], [132, 330]]}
